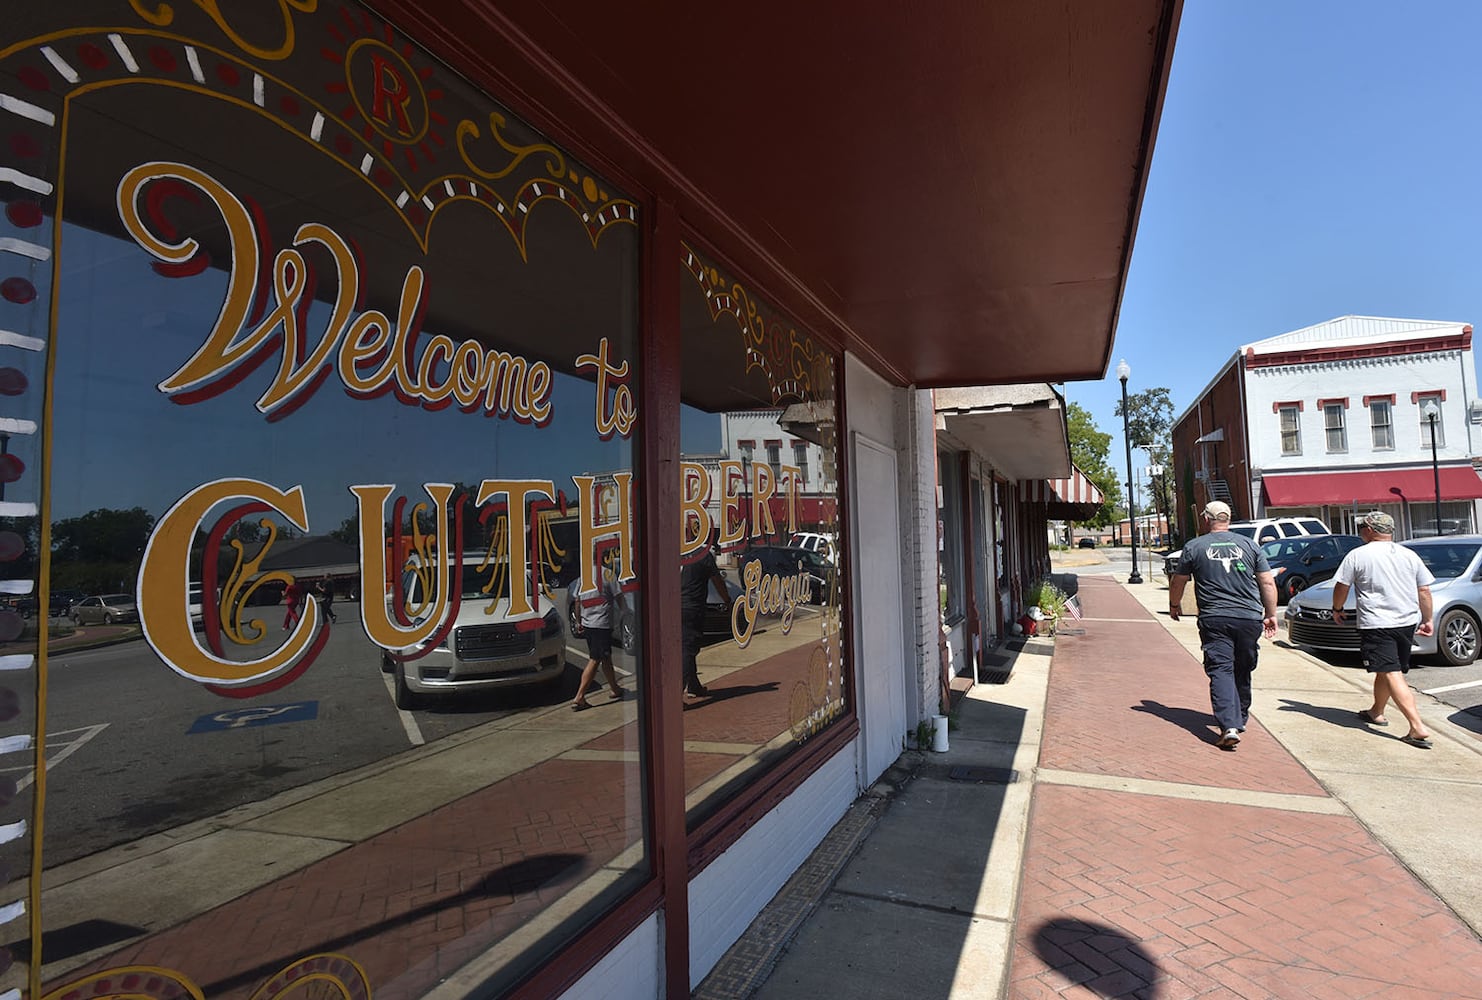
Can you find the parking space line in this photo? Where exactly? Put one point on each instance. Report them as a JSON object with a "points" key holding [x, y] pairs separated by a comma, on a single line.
{"points": [[60, 751], [1452, 687], [408, 722]]}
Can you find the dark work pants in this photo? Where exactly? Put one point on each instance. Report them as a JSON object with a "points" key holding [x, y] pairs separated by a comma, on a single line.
{"points": [[1230, 648], [692, 623]]}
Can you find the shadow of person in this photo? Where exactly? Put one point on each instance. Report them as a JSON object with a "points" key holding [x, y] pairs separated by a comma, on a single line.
{"points": [[1347, 717], [1122, 967], [719, 694], [1197, 723]]}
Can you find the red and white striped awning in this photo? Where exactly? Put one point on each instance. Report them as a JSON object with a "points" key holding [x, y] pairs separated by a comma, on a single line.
{"points": [[1075, 490]]}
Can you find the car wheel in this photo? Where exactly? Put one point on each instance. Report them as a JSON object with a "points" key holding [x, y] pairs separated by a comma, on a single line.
{"points": [[387, 663], [1458, 637], [108, 619], [76, 619], [1294, 586], [405, 698]]}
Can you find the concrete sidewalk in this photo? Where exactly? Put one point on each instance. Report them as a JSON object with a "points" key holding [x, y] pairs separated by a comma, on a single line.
{"points": [[1083, 836]]}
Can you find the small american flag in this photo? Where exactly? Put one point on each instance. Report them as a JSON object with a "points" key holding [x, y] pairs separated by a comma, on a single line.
{"points": [[1073, 608]]}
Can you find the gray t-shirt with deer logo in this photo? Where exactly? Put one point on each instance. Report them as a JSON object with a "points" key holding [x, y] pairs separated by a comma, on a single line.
{"points": [[1224, 567]]}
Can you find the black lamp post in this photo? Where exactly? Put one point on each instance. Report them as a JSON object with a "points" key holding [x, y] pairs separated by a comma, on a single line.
{"points": [[1430, 411], [1123, 372]]}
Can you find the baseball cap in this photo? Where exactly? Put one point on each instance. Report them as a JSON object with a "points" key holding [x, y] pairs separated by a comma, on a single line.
{"points": [[1217, 510], [1378, 521]]}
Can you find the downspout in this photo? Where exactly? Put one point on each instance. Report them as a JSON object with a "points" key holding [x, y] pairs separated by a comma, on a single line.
{"points": [[944, 697], [1256, 509]]}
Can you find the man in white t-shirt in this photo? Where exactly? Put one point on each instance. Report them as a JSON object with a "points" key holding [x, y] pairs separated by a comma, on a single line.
{"points": [[595, 614], [1393, 589]]}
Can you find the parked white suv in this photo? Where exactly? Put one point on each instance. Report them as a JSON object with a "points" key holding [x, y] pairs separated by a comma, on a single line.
{"points": [[1262, 530], [814, 541]]}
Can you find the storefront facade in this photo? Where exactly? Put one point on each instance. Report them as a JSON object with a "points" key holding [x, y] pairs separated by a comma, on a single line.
{"points": [[368, 384]]}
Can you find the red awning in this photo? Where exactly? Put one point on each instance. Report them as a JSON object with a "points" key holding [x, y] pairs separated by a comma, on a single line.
{"points": [[1314, 488], [1076, 489]]}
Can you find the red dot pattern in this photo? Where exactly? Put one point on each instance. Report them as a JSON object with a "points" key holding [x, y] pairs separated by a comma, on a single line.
{"points": [[24, 214]]}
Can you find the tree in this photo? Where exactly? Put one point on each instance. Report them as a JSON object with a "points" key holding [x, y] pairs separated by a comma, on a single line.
{"points": [[1150, 424], [1088, 450]]}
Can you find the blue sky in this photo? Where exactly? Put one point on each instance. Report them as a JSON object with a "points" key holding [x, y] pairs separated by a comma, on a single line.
{"points": [[1313, 160]]}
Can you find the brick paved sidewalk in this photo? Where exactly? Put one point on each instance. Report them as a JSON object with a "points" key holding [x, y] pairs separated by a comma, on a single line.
{"points": [[1157, 865]]}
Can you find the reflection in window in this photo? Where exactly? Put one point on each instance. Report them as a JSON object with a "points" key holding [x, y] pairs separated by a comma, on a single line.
{"points": [[949, 540], [349, 441], [1432, 427], [764, 664]]}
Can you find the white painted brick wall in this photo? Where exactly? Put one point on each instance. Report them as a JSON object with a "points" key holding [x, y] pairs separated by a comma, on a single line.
{"points": [[917, 435], [631, 971], [731, 891]]}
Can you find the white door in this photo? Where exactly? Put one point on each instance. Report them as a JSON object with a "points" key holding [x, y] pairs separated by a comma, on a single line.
{"points": [[880, 661]]}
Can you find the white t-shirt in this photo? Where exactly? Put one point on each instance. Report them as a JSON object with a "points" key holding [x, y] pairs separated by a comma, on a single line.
{"points": [[1385, 577], [596, 606]]}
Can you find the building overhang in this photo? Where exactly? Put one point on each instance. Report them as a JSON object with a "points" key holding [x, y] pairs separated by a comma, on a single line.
{"points": [[952, 195], [1074, 498], [1018, 429]]}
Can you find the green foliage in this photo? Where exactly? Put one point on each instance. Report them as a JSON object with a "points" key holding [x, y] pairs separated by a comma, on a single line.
{"points": [[1150, 424], [1088, 450], [925, 735], [1047, 597]]}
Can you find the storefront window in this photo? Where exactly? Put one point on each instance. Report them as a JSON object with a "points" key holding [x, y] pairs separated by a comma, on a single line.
{"points": [[764, 664], [341, 362]]}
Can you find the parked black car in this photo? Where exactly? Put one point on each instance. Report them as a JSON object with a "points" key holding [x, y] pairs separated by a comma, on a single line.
{"points": [[1087, 542], [1299, 562], [717, 624]]}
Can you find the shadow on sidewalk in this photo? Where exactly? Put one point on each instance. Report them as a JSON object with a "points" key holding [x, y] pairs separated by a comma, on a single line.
{"points": [[1196, 722], [1346, 717], [1065, 942]]}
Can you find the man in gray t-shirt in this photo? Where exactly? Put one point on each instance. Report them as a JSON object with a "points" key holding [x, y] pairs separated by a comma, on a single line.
{"points": [[1237, 605]]}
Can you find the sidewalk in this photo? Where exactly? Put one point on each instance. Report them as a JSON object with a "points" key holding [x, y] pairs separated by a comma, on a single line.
{"points": [[1084, 837]]}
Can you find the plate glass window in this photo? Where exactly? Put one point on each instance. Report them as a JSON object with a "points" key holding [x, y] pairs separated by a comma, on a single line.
{"points": [[370, 433], [763, 662]]}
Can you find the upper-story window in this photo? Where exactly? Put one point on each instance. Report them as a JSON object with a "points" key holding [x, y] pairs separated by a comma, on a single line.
{"points": [[774, 457], [1381, 424], [1291, 429], [1335, 430], [1424, 402], [800, 459]]}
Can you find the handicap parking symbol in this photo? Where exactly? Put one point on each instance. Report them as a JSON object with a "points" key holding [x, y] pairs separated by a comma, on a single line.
{"points": [[256, 715]]}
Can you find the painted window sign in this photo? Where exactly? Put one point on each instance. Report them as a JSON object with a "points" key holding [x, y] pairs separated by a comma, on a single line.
{"points": [[750, 375], [329, 362]]}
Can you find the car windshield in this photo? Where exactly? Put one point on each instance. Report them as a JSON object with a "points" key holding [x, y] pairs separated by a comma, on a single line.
{"points": [[117, 599], [1446, 562], [476, 582], [1284, 548], [1247, 530]]}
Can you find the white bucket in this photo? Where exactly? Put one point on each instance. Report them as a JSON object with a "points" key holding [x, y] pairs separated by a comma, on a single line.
{"points": [[939, 733]]}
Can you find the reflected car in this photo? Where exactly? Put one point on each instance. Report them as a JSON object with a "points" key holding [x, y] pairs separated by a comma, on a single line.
{"points": [[717, 619], [1455, 562], [1086, 543], [788, 560], [1298, 563], [105, 609], [484, 650]]}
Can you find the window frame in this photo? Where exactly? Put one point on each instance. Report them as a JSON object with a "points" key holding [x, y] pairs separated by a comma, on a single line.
{"points": [[1294, 410], [1334, 424]]}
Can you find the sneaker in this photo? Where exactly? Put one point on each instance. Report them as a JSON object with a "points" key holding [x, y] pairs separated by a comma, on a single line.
{"points": [[1229, 739]]}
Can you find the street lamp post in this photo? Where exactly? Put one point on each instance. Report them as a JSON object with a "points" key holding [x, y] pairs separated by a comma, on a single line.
{"points": [[1123, 373], [1430, 412]]}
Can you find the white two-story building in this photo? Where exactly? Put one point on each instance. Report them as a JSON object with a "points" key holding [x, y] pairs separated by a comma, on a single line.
{"points": [[1335, 419]]}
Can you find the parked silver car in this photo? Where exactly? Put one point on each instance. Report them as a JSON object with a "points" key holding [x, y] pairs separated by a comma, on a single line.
{"points": [[1456, 563], [105, 609]]}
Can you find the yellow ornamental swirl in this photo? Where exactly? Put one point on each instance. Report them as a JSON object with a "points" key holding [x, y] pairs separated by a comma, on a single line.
{"points": [[240, 586], [163, 14], [555, 166]]}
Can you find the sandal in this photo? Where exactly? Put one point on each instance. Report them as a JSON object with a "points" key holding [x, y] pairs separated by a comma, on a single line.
{"points": [[1423, 742], [580, 706], [1364, 714], [617, 695]]}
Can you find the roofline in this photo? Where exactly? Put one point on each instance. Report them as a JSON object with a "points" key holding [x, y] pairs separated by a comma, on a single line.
{"points": [[1234, 359]]}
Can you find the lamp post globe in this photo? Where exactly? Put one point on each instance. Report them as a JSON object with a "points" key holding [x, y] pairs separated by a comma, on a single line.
{"points": [[1430, 411], [1123, 373]]}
